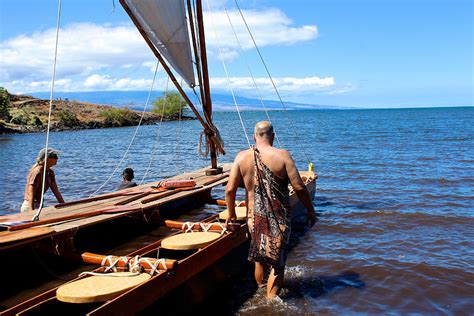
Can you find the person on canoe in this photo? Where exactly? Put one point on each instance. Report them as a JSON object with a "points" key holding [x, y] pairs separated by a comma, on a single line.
{"points": [[265, 172], [127, 179], [34, 180]]}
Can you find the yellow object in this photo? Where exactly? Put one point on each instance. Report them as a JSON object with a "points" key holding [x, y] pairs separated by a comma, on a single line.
{"points": [[188, 241], [99, 288], [310, 166], [240, 212]]}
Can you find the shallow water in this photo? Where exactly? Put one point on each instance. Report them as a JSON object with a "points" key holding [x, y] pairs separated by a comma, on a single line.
{"points": [[395, 200]]}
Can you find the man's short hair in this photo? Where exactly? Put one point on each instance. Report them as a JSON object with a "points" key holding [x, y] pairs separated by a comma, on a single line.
{"points": [[263, 129]]}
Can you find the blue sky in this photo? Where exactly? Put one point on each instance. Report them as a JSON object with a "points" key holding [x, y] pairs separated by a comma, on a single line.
{"points": [[362, 53]]}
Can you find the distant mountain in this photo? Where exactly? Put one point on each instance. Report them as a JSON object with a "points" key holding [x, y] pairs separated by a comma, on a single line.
{"points": [[136, 99]]}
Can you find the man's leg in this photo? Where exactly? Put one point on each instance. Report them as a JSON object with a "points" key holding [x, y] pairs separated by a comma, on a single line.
{"points": [[259, 273], [275, 282]]}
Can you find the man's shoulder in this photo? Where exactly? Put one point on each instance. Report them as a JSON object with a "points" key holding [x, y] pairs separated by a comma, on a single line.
{"points": [[243, 155], [282, 153]]}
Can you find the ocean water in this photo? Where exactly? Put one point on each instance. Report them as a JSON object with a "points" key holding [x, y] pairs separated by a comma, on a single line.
{"points": [[395, 198]]}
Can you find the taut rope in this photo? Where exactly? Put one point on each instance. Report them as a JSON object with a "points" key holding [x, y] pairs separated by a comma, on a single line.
{"points": [[227, 76], [250, 71], [273, 83], [134, 134], [40, 208]]}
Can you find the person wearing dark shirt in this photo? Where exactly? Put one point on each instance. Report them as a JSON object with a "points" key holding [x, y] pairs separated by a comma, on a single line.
{"points": [[127, 179]]}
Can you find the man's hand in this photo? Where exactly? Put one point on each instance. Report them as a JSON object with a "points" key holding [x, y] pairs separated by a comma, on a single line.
{"points": [[231, 219], [311, 218]]}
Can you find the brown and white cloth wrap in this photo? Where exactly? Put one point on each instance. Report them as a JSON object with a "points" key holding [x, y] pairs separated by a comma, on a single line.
{"points": [[270, 220]]}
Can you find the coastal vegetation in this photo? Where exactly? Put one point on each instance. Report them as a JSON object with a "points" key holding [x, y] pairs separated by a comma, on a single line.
{"points": [[171, 104], [22, 113]]}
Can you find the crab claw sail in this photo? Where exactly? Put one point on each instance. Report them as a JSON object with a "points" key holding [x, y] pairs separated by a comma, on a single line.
{"points": [[165, 24]]}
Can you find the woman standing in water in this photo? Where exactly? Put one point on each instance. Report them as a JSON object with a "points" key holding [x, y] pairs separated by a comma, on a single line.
{"points": [[34, 180]]}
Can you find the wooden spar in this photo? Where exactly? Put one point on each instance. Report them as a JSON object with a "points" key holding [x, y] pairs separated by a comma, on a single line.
{"points": [[207, 88], [217, 178], [105, 210], [125, 192], [92, 258], [196, 54], [165, 67]]}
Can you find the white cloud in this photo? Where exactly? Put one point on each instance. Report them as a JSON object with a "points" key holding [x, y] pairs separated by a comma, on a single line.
{"points": [[268, 27], [284, 85], [86, 48]]}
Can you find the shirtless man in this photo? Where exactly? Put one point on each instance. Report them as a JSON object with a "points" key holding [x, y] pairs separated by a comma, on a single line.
{"points": [[265, 172], [34, 181]]}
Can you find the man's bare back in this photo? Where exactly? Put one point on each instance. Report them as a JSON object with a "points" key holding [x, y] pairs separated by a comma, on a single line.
{"points": [[279, 161]]}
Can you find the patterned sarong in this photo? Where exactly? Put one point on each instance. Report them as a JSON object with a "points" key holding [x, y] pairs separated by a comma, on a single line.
{"points": [[270, 220]]}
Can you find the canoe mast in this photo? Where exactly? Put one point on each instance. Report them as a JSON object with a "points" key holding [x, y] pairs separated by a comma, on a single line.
{"points": [[141, 13]]}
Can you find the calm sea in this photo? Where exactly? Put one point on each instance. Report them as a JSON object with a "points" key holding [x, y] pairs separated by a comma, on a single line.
{"points": [[395, 198]]}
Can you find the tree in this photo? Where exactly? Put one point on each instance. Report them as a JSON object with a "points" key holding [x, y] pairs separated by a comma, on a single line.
{"points": [[4, 104], [170, 104]]}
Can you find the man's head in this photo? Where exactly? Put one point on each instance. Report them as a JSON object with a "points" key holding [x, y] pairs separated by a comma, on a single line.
{"points": [[264, 132], [128, 174]]}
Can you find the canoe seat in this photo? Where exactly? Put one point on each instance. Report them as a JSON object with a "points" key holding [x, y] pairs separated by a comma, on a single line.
{"points": [[189, 241], [99, 288], [240, 211]]}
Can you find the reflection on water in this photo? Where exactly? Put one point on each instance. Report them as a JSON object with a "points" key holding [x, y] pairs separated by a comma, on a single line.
{"points": [[394, 196]]}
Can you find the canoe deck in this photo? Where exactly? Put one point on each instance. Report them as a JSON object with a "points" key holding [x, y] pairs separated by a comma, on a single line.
{"points": [[80, 215]]}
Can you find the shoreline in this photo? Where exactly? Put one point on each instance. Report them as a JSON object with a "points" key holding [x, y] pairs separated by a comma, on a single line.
{"points": [[27, 114]]}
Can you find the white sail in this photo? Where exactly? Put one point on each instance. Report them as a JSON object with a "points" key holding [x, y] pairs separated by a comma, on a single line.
{"points": [[164, 22]]}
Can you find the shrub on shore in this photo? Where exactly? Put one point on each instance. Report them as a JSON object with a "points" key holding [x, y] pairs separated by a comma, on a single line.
{"points": [[4, 104], [119, 117], [171, 104], [67, 118]]}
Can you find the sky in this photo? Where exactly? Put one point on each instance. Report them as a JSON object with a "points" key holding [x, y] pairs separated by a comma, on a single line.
{"points": [[354, 53]]}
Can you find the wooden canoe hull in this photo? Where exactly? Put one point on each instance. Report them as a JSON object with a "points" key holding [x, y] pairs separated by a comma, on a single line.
{"points": [[210, 264]]}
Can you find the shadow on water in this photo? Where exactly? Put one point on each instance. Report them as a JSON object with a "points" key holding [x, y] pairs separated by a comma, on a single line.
{"points": [[318, 286]]}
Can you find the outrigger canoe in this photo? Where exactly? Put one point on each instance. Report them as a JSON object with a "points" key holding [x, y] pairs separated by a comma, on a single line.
{"points": [[152, 272]]}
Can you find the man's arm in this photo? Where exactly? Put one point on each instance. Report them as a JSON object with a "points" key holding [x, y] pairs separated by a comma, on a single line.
{"points": [[299, 188], [235, 178]]}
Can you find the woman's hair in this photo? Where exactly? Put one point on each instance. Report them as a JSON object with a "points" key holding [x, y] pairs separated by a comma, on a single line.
{"points": [[128, 174], [52, 153]]}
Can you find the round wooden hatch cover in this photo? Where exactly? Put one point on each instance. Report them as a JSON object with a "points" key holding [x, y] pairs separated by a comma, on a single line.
{"points": [[240, 211], [189, 241], [99, 288]]}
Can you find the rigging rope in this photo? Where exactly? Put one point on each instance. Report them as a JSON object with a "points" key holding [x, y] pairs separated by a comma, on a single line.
{"points": [[227, 75], [273, 83], [250, 71], [134, 134], [58, 22], [178, 129], [155, 147]]}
